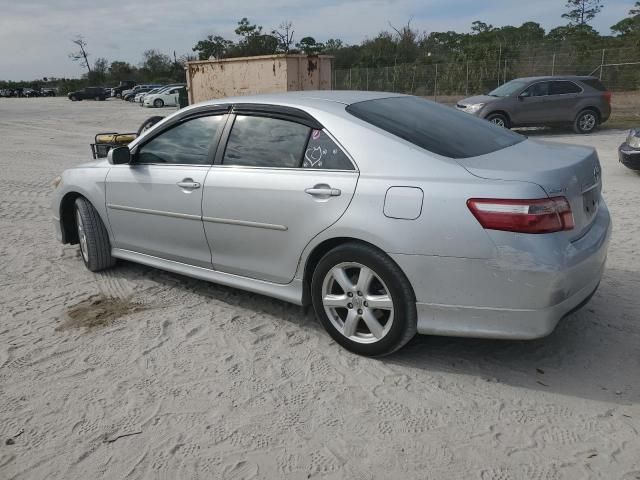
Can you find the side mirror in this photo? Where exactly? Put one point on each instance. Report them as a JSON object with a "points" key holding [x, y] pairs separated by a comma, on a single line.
{"points": [[119, 156], [523, 95]]}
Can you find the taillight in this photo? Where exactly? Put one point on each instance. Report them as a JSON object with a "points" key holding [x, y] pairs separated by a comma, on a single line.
{"points": [[543, 215], [607, 97]]}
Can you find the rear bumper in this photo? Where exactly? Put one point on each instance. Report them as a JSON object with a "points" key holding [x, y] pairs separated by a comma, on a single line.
{"points": [[629, 157], [514, 296]]}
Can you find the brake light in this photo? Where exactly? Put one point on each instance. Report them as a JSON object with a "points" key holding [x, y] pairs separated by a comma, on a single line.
{"points": [[607, 97], [545, 215]]}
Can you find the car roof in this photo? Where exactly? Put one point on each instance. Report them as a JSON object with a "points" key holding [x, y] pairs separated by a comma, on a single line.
{"points": [[307, 98], [556, 77]]}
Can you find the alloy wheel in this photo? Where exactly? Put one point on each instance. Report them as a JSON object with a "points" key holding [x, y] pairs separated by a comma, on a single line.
{"points": [[498, 121], [587, 122], [357, 302], [82, 237]]}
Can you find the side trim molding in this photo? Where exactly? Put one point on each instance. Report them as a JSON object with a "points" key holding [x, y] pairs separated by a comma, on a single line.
{"points": [[186, 216], [153, 212], [228, 221]]}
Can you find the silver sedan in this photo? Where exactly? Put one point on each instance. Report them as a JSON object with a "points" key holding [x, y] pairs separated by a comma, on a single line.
{"points": [[388, 213]]}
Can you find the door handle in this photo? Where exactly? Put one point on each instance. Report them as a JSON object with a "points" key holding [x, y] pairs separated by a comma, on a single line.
{"points": [[188, 184], [323, 191]]}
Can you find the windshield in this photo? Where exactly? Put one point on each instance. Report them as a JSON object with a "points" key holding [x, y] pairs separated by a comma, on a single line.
{"points": [[435, 127], [509, 88]]}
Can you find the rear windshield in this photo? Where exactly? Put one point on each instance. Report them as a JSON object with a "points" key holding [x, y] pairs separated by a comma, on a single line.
{"points": [[434, 127], [594, 83]]}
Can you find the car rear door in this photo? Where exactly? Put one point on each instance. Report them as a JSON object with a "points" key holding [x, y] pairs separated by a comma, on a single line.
{"points": [[563, 100], [154, 204], [279, 182]]}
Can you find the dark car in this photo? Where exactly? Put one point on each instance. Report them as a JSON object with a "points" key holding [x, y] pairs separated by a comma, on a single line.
{"points": [[124, 85], [93, 93], [129, 96], [48, 92], [629, 151], [582, 102]]}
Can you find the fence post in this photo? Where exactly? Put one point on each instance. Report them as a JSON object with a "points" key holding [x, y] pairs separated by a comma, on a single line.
{"points": [[367, 79], [435, 85], [413, 80], [602, 63], [466, 88], [553, 64], [504, 77], [349, 79]]}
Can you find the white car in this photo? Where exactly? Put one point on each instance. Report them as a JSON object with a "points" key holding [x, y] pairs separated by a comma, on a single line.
{"points": [[166, 98], [140, 96]]}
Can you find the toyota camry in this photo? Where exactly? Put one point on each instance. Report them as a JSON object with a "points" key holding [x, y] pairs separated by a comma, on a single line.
{"points": [[389, 214]]}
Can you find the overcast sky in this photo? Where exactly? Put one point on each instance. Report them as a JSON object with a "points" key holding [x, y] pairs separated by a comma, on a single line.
{"points": [[35, 35]]}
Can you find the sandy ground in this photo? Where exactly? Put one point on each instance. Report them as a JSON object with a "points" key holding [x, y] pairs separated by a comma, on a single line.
{"points": [[138, 373]]}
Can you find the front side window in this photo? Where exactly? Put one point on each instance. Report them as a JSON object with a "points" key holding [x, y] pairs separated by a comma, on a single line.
{"points": [[323, 153], [186, 143], [266, 142], [539, 89]]}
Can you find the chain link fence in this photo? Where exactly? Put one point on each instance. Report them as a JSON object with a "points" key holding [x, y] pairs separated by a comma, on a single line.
{"points": [[619, 69]]}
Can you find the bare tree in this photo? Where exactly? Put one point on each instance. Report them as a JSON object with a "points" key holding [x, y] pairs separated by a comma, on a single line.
{"points": [[81, 55], [284, 34]]}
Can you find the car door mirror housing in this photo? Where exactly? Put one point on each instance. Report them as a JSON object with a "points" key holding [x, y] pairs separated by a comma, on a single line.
{"points": [[119, 156], [523, 95]]}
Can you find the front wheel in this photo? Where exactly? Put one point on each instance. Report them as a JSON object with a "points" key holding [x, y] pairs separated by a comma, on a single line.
{"points": [[586, 122], [364, 300], [92, 237], [158, 103], [73, 98], [499, 120]]}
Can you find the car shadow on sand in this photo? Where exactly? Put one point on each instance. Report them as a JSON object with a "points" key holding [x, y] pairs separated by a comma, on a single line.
{"points": [[593, 353]]}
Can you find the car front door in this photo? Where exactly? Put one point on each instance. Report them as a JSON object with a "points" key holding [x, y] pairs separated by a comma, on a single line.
{"points": [[154, 204], [277, 184], [532, 109]]}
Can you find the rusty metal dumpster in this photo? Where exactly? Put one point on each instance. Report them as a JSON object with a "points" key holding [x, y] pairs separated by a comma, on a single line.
{"points": [[209, 79]]}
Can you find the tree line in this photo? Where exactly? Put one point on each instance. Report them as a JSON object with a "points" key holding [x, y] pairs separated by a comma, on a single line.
{"points": [[399, 44]]}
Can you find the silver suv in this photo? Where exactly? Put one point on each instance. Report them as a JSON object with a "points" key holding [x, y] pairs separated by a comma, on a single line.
{"points": [[583, 102]]}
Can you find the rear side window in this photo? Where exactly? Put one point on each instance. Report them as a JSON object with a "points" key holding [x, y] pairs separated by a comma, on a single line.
{"points": [[595, 83], [323, 153], [564, 87], [434, 127], [266, 142]]}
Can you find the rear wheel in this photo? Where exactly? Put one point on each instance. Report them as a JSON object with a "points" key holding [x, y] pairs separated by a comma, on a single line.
{"points": [[73, 98], [92, 237], [158, 103], [364, 300], [499, 119], [586, 121]]}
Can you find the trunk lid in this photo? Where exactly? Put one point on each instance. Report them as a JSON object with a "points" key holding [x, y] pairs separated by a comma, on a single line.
{"points": [[569, 171]]}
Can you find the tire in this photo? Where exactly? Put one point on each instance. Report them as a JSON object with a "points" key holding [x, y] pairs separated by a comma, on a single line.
{"points": [[97, 99], [395, 326], [498, 119], [73, 98], [158, 103], [95, 248], [148, 123], [586, 121]]}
